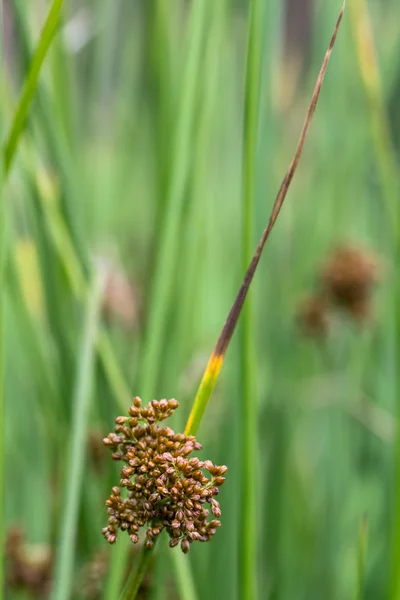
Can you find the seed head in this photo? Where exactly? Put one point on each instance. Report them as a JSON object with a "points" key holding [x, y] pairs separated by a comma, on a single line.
{"points": [[348, 278], [166, 488]]}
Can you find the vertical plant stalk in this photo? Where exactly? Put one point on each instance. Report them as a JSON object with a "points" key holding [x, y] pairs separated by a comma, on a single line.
{"points": [[135, 579], [2, 344], [389, 182], [48, 32], [248, 517], [215, 362], [83, 384]]}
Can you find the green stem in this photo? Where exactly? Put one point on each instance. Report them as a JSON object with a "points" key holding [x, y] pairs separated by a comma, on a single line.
{"points": [[75, 477], [184, 576], [361, 558], [2, 279], [135, 579], [48, 32], [389, 183], [248, 537]]}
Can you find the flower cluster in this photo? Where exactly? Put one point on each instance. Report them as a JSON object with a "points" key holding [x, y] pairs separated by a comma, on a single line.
{"points": [[165, 488], [344, 283]]}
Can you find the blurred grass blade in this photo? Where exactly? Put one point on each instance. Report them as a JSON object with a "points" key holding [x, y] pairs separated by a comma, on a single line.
{"points": [[361, 558], [248, 536], [169, 243], [48, 32], [388, 174], [69, 258], [214, 365], [75, 477], [369, 71]]}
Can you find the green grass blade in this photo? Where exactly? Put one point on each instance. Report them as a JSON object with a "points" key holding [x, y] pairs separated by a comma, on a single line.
{"points": [[248, 530], [48, 32], [75, 476]]}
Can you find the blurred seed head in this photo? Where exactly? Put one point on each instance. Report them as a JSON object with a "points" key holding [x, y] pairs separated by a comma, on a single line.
{"points": [[312, 317], [348, 278], [166, 489], [28, 566], [121, 298], [345, 282]]}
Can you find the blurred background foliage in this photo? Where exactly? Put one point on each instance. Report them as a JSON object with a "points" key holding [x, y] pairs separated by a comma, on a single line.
{"points": [[130, 167]]}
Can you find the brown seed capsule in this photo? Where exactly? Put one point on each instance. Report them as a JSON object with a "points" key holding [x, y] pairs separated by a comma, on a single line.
{"points": [[219, 480], [185, 545], [215, 508], [121, 420], [134, 538]]}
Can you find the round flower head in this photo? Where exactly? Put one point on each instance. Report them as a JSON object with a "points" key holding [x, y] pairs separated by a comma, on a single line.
{"points": [[166, 489]]}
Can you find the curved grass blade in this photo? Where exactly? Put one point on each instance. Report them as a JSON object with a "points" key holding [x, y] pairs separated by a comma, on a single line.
{"points": [[48, 32], [214, 365]]}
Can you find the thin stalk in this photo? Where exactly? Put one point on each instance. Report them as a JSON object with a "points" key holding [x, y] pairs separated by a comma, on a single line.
{"points": [[215, 362], [2, 281], [83, 384], [390, 186], [48, 32], [361, 558], [184, 576], [248, 536]]}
